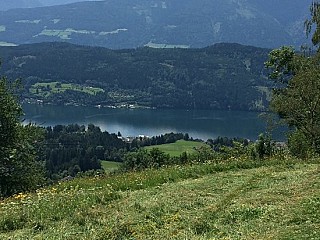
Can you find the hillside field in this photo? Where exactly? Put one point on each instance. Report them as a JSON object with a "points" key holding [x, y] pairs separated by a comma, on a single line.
{"points": [[109, 166], [175, 149], [48, 88], [236, 199]]}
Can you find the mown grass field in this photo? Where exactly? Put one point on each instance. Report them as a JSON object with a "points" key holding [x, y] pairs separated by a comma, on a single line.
{"points": [[175, 149], [109, 166], [240, 199], [48, 88]]}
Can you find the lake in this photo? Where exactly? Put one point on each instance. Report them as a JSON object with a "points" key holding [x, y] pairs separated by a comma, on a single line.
{"points": [[203, 124]]}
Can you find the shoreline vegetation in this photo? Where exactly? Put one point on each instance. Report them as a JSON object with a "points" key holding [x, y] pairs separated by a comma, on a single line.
{"points": [[36, 101], [72, 103]]}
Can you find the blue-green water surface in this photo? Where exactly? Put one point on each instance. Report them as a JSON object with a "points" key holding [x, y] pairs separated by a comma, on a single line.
{"points": [[203, 124]]}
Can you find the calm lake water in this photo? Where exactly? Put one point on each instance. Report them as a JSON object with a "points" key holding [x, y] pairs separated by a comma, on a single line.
{"points": [[203, 124]]}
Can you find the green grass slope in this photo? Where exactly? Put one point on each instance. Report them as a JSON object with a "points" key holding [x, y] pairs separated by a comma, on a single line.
{"points": [[109, 166], [231, 200], [175, 149]]}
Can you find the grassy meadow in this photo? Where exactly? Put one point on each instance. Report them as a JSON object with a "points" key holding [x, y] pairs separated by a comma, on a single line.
{"points": [[175, 149], [47, 88], [236, 199], [109, 166]]}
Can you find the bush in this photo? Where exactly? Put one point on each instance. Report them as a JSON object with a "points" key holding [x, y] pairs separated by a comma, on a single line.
{"points": [[143, 159], [299, 145], [264, 146]]}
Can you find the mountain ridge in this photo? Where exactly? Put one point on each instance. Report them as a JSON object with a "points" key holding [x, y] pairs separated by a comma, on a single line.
{"points": [[129, 24]]}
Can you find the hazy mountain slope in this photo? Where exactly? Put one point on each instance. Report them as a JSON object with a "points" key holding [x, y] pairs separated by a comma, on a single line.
{"points": [[285, 11], [290, 13], [9, 4], [158, 23]]}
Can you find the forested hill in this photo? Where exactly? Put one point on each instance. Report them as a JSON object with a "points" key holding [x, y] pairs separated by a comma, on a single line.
{"points": [[222, 76]]}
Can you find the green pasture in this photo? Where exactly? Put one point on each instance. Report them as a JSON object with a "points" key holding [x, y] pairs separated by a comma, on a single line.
{"points": [[175, 149], [47, 88], [62, 34], [109, 166]]}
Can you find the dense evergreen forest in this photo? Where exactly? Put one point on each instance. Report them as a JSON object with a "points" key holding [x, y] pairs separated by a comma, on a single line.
{"points": [[223, 76], [69, 149]]}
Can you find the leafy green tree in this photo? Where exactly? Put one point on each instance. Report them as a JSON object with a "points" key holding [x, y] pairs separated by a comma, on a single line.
{"points": [[314, 21], [299, 145], [297, 96], [20, 169]]}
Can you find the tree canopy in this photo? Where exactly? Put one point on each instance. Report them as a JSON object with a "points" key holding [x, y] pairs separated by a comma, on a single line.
{"points": [[314, 21], [20, 169], [297, 96]]}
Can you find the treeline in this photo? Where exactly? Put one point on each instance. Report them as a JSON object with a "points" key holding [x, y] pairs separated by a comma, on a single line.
{"points": [[223, 76], [220, 143], [70, 149], [158, 140], [74, 148], [67, 150], [219, 149]]}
